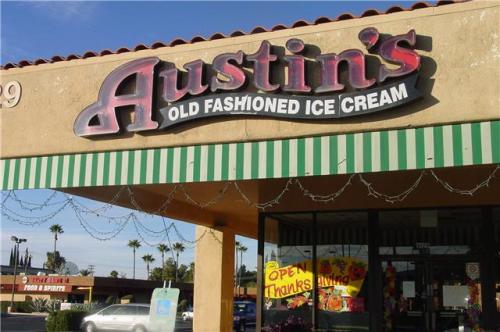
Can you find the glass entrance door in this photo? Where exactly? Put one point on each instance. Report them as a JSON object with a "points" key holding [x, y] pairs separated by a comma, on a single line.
{"points": [[430, 294], [405, 300]]}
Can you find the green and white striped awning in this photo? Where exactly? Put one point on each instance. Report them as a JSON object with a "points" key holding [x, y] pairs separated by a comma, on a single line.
{"points": [[379, 151]]}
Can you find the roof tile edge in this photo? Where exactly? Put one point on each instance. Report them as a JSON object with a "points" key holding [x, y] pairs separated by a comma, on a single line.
{"points": [[219, 35]]}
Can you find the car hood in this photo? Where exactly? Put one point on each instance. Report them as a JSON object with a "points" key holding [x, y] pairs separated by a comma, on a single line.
{"points": [[89, 317]]}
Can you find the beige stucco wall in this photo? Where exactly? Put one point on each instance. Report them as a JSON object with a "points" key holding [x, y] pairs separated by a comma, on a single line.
{"points": [[214, 276], [464, 64]]}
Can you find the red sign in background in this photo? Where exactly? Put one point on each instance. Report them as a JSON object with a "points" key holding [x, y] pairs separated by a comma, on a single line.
{"points": [[44, 288]]}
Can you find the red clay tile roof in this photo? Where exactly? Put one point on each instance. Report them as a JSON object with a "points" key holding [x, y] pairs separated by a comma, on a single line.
{"points": [[218, 35]]}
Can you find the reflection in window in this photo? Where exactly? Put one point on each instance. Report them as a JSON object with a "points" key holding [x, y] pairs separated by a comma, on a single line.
{"points": [[342, 267], [288, 273], [341, 272]]}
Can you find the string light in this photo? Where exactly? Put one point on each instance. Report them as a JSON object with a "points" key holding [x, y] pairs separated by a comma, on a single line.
{"points": [[168, 238], [467, 192], [122, 221], [98, 237], [31, 220], [7, 196], [265, 205], [325, 198], [391, 198], [120, 225], [143, 239], [162, 207], [35, 206], [103, 208], [210, 202]]}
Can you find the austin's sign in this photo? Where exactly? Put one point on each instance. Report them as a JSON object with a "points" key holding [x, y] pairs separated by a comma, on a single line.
{"points": [[295, 99]]}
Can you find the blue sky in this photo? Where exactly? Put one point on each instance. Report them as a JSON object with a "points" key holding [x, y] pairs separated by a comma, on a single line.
{"points": [[32, 30]]}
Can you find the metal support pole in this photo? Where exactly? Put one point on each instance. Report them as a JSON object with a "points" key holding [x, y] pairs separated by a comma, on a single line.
{"points": [[260, 272], [487, 271], [374, 273], [90, 295], [314, 273]]}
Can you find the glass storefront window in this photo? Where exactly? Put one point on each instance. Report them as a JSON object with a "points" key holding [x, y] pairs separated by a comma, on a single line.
{"points": [[342, 271], [430, 265], [287, 298], [434, 232]]}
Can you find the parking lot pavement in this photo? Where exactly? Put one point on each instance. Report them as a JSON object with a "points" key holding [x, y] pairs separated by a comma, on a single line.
{"points": [[183, 326], [23, 322], [36, 323]]}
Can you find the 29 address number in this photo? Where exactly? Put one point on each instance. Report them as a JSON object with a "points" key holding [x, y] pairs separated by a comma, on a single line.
{"points": [[11, 94]]}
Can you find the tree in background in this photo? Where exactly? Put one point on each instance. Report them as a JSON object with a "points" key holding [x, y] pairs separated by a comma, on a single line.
{"points": [[11, 259], [189, 276], [237, 246], [184, 273], [56, 229], [113, 274], [157, 274], [134, 244], [26, 257], [162, 248], [178, 248], [85, 272], [248, 278], [241, 249], [148, 259], [54, 262], [169, 270]]}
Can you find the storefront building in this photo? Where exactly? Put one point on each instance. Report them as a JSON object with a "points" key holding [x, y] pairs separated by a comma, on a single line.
{"points": [[362, 152], [83, 289]]}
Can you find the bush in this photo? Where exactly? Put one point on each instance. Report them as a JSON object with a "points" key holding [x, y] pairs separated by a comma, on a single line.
{"points": [[53, 305], [39, 304], [24, 307], [87, 307], [182, 305], [19, 306], [66, 320], [4, 305]]}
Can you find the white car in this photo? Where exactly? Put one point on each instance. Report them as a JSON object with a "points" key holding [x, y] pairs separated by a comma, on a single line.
{"points": [[188, 314], [119, 317]]}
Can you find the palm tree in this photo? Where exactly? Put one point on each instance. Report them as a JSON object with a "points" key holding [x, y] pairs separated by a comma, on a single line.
{"points": [[237, 246], [134, 244], [178, 248], [242, 250], [85, 272], [148, 259], [56, 229], [162, 248]]}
